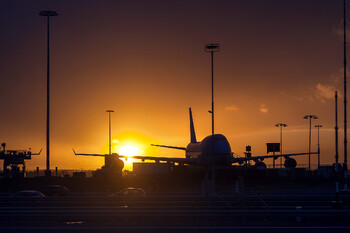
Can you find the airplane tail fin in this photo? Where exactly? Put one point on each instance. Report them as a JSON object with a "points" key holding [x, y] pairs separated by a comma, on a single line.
{"points": [[193, 133]]}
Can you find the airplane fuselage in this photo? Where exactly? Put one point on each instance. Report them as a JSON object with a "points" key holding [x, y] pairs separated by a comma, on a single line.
{"points": [[212, 150]]}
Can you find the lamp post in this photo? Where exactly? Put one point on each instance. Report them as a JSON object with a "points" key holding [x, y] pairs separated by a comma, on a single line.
{"points": [[109, 127], [345, 165], [318, 143], [48, 14], [310, 117], [281, 125], [211, 48]]}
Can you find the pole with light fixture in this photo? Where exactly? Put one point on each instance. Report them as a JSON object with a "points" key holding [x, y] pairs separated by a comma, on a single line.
{"points": [[109, 127], [48, 14], [281, 125], [211, 48], [310, 117], [318, 144]]}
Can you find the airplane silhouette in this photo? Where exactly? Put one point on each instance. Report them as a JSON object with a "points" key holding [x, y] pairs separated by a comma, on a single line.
{"points": [[214, 150]]}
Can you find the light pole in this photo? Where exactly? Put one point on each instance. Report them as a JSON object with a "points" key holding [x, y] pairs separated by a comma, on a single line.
{"points": [[281, 125], [345, 165], [109, 126], [318, 143], [310, 117], [211, 48], [48, 14]]}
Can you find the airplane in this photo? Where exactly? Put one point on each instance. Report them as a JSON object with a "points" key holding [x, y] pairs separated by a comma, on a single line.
{"points": [[214, 150]]}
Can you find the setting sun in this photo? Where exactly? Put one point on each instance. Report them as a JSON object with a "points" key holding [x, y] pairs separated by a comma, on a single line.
{"points": [[129, 150]]}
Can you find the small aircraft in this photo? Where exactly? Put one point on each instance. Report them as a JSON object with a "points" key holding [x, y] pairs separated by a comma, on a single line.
{"points": [[214, 150]]}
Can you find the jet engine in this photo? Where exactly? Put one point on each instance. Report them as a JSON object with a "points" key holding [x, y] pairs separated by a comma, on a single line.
{"points": [[260, 164], [290, 163]]}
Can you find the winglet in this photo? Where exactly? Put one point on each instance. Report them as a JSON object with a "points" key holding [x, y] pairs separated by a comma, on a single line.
{"points": [[193, 133], [74, 151]]}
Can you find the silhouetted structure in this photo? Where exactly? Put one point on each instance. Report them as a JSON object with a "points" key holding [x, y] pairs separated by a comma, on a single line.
{"points": [[310, 117], [281, 125], [211, 48], [109, 135], [345, 165], [48, 14], [318, 143], [13, 159]]}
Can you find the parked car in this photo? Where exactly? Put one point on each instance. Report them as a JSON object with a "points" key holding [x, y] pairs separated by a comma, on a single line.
{"points": [[30, 194], [54, 190], [130, 192]]}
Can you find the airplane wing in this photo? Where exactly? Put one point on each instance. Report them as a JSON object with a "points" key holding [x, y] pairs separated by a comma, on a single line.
{"points": [[261, 158], [164, 159], [37, 153], [171, 147], [153, 158]]}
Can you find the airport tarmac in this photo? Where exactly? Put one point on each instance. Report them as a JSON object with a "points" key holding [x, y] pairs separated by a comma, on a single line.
{"points": [[248, 212]]}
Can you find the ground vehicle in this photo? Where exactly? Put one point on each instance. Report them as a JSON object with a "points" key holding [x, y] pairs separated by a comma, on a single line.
{"points": [[29, 194], [54, 190], [130, 192]]}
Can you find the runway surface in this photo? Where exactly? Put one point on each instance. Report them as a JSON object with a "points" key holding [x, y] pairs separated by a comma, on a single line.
{"points": [[248, 212]]}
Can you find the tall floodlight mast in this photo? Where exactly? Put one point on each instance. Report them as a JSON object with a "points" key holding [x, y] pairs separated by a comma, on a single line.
{"points": [[318, 144], [310, 117], [281, 125], [48, 14], [345, 165], [211, 48], [109, 131]]}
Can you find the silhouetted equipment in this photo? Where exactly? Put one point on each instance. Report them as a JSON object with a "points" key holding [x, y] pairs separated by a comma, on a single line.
{"points": [[248, 154], [48, 14], [113, 165], [13, 160], [273, 147], [310, 117]]}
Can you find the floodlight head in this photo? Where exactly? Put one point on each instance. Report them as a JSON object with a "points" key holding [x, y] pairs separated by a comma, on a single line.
{"points": [[310, 117], [48, 13], [212, 48], [109, 110], [281, 124]]}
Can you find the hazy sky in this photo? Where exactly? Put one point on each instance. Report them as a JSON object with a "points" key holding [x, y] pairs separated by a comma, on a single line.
{"points": [[279, 60]]}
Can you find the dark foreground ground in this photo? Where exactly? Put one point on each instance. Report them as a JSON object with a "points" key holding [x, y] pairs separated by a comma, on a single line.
{"points": [[251, 211]]}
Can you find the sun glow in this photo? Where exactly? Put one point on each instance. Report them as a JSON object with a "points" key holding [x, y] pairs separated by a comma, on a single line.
{"points": [[131, 144], [129, 150]]}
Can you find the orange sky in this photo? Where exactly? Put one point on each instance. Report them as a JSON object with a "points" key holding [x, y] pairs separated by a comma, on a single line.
{"points": [[279, 60]]}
